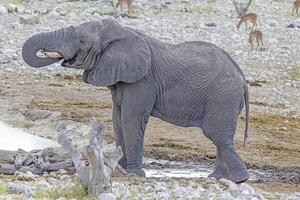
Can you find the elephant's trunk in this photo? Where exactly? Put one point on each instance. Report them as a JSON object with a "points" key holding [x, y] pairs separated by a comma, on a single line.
{"points": [[34, 44]]}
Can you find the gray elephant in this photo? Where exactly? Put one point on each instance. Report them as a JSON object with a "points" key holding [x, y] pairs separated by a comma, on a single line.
{"points": [[192, 84]]}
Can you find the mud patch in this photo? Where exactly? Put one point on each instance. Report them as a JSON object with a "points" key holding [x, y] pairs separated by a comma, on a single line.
{"points": [[60, 105], [259, 103], [68, 77]]}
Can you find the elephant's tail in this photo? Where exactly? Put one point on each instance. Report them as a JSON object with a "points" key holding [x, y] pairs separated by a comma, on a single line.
{"points": [[246, 96]]}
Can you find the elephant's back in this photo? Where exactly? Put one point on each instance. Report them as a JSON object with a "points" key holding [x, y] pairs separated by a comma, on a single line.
{"points": [[205, 58]]}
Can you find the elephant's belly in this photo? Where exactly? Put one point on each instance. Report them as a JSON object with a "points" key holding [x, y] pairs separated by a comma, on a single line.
{"points": [[178, 122], [182, 111]]}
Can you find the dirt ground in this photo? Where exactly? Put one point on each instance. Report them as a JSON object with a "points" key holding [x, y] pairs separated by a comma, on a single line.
{"points": [[273, 143]]}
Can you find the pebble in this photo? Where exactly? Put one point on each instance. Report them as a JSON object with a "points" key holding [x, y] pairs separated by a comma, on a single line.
{"points": [[3, 10], [43, 184], [107, 196], [246, 190], [31, 20], [11, 8]]}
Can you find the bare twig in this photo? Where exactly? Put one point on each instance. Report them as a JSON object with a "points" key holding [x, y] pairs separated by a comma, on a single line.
{"points": [[241, 8]]}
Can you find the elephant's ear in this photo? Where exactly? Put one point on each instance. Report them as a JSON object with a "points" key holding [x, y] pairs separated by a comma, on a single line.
{"points": [[125, 56]]}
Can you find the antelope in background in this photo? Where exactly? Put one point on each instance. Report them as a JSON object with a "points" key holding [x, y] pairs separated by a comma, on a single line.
{"points": [[296, 7], [128, 2], [251, 17], [257, 35]]}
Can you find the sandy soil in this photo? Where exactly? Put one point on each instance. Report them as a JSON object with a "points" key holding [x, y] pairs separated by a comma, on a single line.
{"points": [[273, 139]]}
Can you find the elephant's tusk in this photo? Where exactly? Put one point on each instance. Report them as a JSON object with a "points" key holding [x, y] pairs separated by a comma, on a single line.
{"points": [[53, 55], [45, 54]]}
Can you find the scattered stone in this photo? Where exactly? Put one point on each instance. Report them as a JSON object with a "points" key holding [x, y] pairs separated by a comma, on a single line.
{"points": [[226, 196], [29, 20], [19, 188], [20, 9], [107, 196], [42, 11], [43, 184], [229, 186], [3, 10], [291, 26], [11, 8], [272, 22], [54, 14], [61, 198], [212, 24], [246, 190], [62, 171], [295, 196]]}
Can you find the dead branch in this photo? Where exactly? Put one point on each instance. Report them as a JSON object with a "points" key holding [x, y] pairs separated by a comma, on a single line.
{"points": [[96, 177], [241, 8]]}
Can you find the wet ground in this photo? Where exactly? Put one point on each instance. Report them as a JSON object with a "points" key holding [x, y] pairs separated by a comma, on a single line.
{"points": [[37, 103], [13, 139]]}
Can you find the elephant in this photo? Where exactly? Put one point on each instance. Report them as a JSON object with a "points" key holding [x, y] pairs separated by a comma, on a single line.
{"points": [[190, 84]]}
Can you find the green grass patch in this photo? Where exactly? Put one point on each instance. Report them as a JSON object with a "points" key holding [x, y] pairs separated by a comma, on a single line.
{"points": [[207, 8], [77, 191], [14, 1], [2, 189], [295, 74], [37, 20]]}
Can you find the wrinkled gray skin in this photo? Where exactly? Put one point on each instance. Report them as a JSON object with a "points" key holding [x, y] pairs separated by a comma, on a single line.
{"points": [[192, 84]]}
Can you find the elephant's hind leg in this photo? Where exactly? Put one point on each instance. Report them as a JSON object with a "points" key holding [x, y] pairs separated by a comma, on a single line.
{"points": [[219, 125]]}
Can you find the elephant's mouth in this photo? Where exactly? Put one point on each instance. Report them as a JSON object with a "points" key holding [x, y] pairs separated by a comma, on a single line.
{"points": [[72, 63], [67, 62]]}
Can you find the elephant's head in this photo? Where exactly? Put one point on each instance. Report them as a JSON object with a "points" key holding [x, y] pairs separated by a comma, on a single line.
{"points": [[107, 51]]}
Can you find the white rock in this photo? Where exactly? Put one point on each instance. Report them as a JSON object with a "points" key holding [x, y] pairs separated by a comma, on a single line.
{"points": [[18, 188], [20, 9], [246, 190], [62, 171], [107, 196], [61, 198], [232, 187], [3, 10], [294, 196], [272, 22], [11, 8], [226, 196], [160, 187], [54, 14], [215, 188], [43, 184]]}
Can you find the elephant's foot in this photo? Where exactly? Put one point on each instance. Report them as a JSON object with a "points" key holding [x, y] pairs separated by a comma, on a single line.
{"points": [[230, 166], [136, 171], [234, 177]]}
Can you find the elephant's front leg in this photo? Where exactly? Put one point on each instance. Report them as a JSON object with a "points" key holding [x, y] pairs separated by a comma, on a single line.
{"points": [[117, 125], [137, 102], [133, 127]]}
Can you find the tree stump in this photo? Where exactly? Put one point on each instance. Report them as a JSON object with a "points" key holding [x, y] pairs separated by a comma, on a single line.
{"points": [[96, 176]]}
